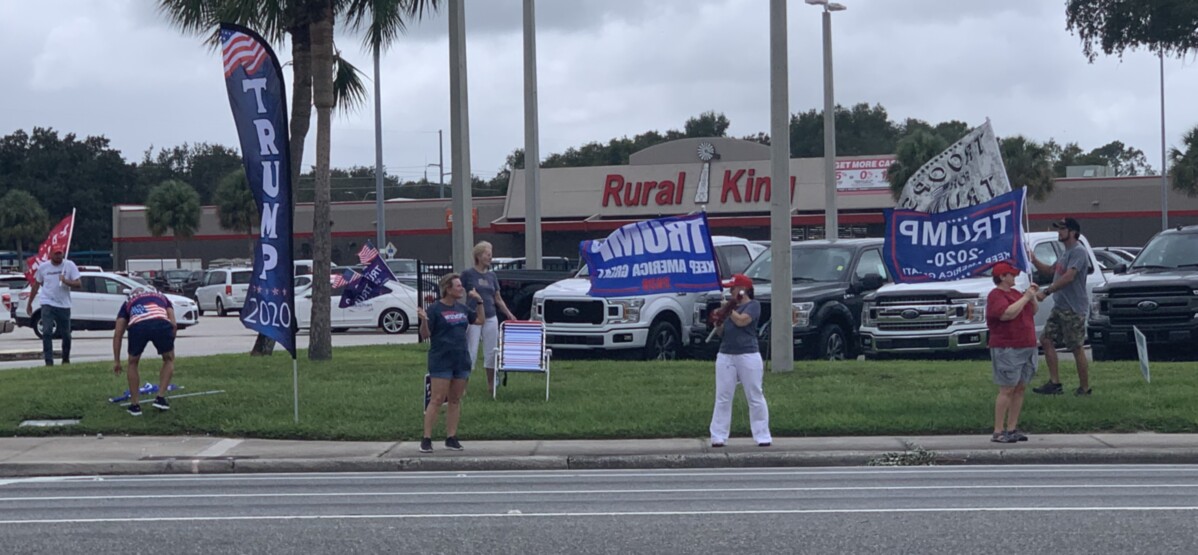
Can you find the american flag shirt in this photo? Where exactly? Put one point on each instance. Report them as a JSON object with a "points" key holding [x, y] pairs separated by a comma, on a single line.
{"points": [[145, 307]]}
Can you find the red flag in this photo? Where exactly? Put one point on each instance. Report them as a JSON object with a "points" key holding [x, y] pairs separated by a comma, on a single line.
{"points": [[60, 238]]}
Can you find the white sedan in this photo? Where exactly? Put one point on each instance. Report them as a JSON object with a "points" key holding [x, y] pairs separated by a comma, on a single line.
{"points": [[94, 306], [393, 311]]}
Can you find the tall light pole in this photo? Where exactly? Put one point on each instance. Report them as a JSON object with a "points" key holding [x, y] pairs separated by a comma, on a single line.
{"points": [[831, 216], [459, 138], [532, 150], [781, 335], [380, 235], [1164, 168], [440, 165]]}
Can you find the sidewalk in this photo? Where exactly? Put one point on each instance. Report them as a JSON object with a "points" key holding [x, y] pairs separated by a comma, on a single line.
{"points": [[63, 456]]}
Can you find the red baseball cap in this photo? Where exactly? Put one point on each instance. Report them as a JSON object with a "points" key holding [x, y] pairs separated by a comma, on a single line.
{"points": [[739, 280], [1002, 269]]}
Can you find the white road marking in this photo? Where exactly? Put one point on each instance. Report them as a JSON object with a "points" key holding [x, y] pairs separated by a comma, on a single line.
{"points": [[348, 495], [219, 448], [1007, 470], [599, 514]]}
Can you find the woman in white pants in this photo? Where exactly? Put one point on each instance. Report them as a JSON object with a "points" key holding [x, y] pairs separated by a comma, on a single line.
{"points": [[739, 360], [482, 279]]}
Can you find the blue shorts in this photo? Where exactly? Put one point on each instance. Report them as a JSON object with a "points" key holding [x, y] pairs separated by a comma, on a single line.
{"points": [[160, 334], [449, 374]]}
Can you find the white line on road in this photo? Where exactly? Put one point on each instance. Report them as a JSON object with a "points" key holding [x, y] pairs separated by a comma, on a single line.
{"points": [[349, 494], [723, 473], [598, 514], [219, 448]]}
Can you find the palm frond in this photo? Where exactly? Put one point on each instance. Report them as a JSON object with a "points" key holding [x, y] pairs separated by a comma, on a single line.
{"points": [[385, 20], [349, 89]]}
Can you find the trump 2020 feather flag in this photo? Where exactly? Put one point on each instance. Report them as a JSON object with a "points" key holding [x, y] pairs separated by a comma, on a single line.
{"points": [[254, 81]]}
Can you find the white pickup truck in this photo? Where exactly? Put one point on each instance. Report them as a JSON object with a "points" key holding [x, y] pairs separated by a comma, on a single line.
{"points": [[949, 317], [654, 325]]}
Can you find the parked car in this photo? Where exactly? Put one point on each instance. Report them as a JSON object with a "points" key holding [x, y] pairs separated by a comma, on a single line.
{"points": [[1119, 254], [94, 306], [1109, 261], [949, 317], [402, 266], [1158, 295], [830, 283], [223, 290], [7, 321], [14, 282], [653, 325], [393, 312], [556, 263], [180, 282]]}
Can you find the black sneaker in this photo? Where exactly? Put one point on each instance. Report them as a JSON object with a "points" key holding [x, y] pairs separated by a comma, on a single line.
{"points": [[1002, 437], [161, 404], [1017, 435], [1049, 388], [453, 444], [426, 445], [134, 410], [1082, 392]]}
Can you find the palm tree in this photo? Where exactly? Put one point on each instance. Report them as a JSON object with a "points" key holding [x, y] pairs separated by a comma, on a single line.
{"points": [[1029, 164], [173, 206], [235, 205], [911, 153], [320, 75], [22, 221], [1183, 166]]}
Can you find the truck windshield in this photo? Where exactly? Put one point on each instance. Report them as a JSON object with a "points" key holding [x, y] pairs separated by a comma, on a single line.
{"points": [[1169, 252], [807, 263]]}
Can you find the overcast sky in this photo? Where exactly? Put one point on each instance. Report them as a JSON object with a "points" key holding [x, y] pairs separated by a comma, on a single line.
{"points": [[607, 68]]}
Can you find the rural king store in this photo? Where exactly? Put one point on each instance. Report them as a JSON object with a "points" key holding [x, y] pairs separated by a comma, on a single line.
{"points": [[667, 179]]}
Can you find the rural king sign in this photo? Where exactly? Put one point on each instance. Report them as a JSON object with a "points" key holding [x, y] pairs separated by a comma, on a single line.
{"points": [[739, 186]]}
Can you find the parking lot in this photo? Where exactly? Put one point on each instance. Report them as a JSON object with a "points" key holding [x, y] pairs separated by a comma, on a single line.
{"points": [[213, 335]]}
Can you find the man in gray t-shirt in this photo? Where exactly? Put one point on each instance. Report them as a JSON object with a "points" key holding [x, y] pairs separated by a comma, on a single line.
{"points": [[1066, 324], [52, 283]]}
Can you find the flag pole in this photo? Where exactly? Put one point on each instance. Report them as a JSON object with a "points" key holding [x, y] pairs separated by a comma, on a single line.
{"points": [[72, 234], [295, 386]]}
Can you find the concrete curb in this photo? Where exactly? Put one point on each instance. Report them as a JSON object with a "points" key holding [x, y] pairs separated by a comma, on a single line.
{"points": [[9, 356], [589, 462]]}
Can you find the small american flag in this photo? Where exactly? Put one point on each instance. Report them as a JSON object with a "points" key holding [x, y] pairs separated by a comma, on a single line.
{"points": [[367, 253], [340, 280], [241, 50]]}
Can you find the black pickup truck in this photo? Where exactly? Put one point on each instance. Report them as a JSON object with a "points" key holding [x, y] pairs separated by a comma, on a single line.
{"points": [[518, 286], [1157, 293], [830, 281]]}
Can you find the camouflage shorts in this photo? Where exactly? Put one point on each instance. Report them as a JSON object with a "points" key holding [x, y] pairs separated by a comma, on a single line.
{"points": [[1066, 329]]}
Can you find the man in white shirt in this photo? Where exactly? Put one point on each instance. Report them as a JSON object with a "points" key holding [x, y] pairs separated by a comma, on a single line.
{"points": [[52, 283]]}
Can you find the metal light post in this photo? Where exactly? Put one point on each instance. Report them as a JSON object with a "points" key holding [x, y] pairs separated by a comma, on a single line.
{"points": [[831, 215], [459, 137], [781, 336], [1164, 168], [380, 236]]}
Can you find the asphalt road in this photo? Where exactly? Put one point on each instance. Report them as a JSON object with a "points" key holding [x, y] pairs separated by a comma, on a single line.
{"points": [[1011, 509], [213, 335]]}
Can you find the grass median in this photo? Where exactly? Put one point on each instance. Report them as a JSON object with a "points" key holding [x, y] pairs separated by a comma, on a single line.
{"points": [[376, 393]]}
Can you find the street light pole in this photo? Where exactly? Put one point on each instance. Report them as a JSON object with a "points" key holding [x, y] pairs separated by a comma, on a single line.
{"points": [[1164, 168], [380, 236], [782, 335], [831, 212]]}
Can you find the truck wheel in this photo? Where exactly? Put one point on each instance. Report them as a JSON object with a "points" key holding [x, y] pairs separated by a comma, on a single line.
{"points": [[832, 343], [664, 342]]}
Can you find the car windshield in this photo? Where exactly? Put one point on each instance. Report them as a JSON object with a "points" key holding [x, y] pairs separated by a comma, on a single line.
{"points": [[1169, 251], [807, 263], [402, 266]]}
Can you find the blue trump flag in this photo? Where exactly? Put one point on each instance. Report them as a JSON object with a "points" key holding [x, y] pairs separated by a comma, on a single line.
{"points": [[254, 82], [666, 255], [367, 285], [963, 243]]}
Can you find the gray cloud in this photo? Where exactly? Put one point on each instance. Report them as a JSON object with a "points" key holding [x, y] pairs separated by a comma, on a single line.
{"points": [[606, 69]]}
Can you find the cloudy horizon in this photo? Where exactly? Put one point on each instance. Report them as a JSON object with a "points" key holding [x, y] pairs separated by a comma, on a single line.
{"points": [[117, 68]]}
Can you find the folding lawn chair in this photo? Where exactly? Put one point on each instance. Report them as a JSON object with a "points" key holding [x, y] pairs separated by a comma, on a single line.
{"points": [[521, 349]]}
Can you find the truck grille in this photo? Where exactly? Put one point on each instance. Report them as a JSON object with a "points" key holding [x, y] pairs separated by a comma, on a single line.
{"points": [[913, 343], [912, 299], [573, 312], [589, 340], [1146, 292], [908, 326]]}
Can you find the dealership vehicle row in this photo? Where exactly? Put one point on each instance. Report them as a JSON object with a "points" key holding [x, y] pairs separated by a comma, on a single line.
{"points": [[843, 303]]}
